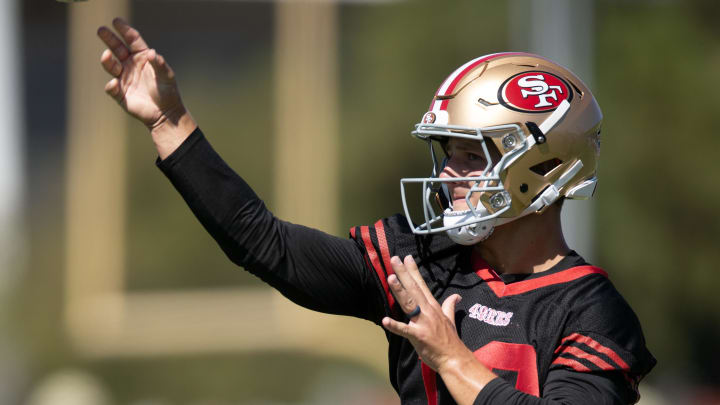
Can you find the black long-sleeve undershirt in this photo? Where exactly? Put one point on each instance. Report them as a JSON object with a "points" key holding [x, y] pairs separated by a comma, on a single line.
{"points": [[323, 272], [313, 269]]}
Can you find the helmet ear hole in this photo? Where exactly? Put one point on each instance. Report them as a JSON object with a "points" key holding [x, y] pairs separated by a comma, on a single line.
{"points": [[523, 188], [546, 167]]}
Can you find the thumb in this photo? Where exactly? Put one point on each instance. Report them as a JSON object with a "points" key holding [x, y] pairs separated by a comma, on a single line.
{"points": [[448, 306], [162, 69]]}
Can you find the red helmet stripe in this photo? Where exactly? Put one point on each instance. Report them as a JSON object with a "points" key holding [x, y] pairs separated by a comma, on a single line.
{"points": [[451, 82]]}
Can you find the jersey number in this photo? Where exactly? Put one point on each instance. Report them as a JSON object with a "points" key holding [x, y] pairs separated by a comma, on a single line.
{"points": [[516, 357]]}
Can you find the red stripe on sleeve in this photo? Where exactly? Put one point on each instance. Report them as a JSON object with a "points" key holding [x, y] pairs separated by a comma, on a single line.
{"points": [[352, 232], [384, 248], [375, 260], [577, 352], [430, 383], [575, 365], [586, 340]]}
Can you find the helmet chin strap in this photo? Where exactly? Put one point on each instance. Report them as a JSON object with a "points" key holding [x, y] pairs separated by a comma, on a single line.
{"points": [[468, 234]]}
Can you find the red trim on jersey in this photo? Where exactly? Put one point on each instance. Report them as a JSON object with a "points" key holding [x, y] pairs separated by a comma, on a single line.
{"points": [[483, 270], [574, 364], [517, 357], [352, 232], [384, 249], [451, 87], [588, 341], [577, 352], [430, 382], [375, 260]]}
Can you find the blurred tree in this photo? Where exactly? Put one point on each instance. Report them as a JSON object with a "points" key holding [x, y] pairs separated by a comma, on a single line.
{"points": [[657, 212]]}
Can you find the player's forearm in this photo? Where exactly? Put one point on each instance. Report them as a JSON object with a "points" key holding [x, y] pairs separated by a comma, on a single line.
{"points": [[221, 200], [172, 131], [465, 377], [313, 269]]}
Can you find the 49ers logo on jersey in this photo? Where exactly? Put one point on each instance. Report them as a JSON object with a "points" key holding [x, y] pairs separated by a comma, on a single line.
{"points": [[534, 92]]}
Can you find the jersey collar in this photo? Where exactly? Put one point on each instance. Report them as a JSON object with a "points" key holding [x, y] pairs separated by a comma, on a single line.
{"points": [[570, 268]]}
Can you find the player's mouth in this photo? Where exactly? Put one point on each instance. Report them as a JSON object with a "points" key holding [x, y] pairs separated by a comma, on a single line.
{"points": [[459, 203], [457, 196]]}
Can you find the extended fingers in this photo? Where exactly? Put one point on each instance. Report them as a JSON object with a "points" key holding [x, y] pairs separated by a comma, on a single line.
{"points": [[403, 275], [130, 35], [398, 328], [448, 307], [161, 67], [110, 64], [414, 272], [406, 300], [114, 43], [410, 276], [112, 88]]}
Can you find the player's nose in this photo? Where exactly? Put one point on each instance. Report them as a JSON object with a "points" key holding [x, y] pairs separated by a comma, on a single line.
{"points": [[449, 172], [452, 168]]}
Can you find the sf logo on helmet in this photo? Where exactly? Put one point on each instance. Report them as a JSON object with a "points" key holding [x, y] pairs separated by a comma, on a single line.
{"points": [[534, 92], [429, 118]]}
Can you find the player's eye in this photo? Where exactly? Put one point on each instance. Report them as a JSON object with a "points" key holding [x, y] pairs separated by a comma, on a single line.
{"points": [[472, 156]]}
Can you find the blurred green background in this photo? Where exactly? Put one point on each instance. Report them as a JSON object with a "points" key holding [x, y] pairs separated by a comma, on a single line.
{"points": [[655, 67]]}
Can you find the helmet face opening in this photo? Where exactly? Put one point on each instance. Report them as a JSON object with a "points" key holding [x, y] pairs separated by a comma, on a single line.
{"points": [[487, 188], [536, 124]]}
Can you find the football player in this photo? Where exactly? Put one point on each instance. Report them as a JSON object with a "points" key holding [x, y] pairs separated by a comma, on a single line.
{"points": [[488, 305]]}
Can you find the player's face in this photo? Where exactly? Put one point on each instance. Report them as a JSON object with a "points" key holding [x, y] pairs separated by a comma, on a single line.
{"points": [[466, 158]]}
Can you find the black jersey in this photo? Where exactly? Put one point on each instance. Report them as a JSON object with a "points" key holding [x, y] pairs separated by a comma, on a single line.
{"points": [[565, 334], [569, 317]]}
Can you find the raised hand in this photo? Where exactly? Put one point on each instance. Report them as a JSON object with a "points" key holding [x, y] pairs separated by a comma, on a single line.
{"points": [[144, 85]]}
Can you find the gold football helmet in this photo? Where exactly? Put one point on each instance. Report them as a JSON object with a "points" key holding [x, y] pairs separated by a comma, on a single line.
{"points": [[542, 119]]}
